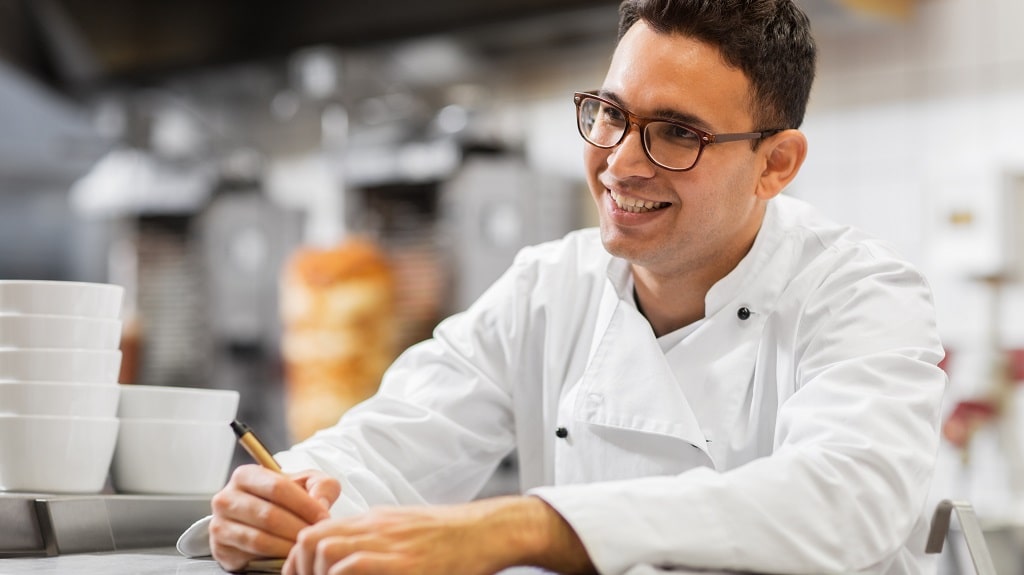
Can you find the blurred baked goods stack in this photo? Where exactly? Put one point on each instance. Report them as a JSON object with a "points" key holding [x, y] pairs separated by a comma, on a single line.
{"points": [[338, 313]]}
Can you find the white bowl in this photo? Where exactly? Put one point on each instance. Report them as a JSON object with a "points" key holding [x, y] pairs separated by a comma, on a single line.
{"points": [[61, 298], [81, 365], [59, 331], [177, 403], [159, 456], [58, 398], [52, 454]]}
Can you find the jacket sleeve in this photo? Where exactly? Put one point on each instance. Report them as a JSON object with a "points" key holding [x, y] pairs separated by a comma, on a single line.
{"points": [[855, 439], [442, 419]]}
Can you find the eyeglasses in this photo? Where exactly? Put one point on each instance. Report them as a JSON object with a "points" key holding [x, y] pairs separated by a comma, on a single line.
{"points": [[670, 145]]}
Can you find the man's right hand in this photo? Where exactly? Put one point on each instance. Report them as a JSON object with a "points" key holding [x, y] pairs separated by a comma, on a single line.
{"points": [[259, 513]]}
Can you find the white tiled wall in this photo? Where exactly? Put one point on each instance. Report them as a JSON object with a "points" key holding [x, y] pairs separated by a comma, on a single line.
{"points": [[911, 123]]}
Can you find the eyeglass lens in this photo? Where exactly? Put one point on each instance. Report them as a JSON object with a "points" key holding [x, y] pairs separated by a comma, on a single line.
{"points": [[672, 145]]}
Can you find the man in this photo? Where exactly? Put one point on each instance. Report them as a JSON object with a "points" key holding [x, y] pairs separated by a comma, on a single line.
{"points": [[718, 377]]}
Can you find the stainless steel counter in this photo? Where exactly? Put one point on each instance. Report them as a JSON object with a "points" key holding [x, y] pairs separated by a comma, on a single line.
{"points": [[161, 561], [165, 561]]}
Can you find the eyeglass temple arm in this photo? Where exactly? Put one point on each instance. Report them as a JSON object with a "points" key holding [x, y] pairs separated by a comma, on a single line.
{"points": [[972, 533], [719, 138]]}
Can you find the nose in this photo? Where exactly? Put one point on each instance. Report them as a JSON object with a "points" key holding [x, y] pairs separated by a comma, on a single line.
{"points": [[628, 158]]}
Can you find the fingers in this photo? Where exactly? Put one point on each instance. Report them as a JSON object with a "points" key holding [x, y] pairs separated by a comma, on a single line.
{"points": [[338, 555], [364, 563], [260, 513], [305, 555], [234, 506], [234, 544], [229, 558], [334, 550], [281, 490], [358, 563]]}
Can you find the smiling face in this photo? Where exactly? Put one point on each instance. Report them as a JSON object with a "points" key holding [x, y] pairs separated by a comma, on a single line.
{"points": [[700, 222]]}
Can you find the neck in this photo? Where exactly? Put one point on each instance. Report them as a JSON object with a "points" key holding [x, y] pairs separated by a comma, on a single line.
{"points": [[670, 303], [675, 299]]}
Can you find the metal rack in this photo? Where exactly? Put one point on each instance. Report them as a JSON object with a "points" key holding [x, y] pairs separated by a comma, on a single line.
{"points": [[973, 535], [47, 525]]}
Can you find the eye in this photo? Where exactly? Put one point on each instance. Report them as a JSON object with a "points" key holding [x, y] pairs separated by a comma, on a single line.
{"points": [[673, 134], [612, 115], [677, 132]]}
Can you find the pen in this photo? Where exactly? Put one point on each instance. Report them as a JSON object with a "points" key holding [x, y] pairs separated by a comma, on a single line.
{"points": [[252, 444], [255, 447]]}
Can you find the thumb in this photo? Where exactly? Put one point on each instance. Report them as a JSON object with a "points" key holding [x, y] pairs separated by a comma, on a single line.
{"points": [[324, 489]]}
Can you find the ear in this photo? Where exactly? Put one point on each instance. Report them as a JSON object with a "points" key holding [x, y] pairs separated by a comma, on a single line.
{"points": [[783, 155]]}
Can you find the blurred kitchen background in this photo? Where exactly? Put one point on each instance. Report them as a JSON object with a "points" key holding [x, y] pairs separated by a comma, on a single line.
{"points": [[189, 150]]}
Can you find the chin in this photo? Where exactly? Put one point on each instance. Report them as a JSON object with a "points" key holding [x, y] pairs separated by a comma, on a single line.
{"points": [[620, 246]]}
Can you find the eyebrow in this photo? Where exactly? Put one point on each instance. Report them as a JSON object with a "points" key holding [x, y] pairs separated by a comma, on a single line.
{"points": [[664, 114]]}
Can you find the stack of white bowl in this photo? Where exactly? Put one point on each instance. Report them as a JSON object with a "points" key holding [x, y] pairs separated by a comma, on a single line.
{"points": [[59, 363], [174, 440]]}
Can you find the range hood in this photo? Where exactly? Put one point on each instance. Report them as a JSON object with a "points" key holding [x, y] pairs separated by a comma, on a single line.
{"points": [[76, 45], [83, 44]]}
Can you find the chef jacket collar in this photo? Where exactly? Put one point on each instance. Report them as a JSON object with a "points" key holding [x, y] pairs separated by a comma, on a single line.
{"points": [[749, 269], [728, 288]]}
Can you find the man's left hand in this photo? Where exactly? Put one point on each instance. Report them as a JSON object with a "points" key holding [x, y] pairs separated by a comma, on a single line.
{"points": [[478, 538]]}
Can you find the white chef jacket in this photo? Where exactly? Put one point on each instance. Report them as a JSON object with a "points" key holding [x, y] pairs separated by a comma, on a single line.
{"points": [[799, 437]]}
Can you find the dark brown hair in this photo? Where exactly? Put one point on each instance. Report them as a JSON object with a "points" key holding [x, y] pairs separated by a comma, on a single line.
{"points": [[768, 40]]}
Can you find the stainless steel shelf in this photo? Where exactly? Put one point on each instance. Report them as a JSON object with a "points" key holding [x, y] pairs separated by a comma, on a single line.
{"points": [[47, 525]]}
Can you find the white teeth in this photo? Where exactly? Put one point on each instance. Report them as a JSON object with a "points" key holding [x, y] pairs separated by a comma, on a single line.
{"points": [[634, 205]]}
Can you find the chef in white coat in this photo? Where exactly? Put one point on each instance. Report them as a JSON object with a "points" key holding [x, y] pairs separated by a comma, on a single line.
{"points": [[717, 377]]}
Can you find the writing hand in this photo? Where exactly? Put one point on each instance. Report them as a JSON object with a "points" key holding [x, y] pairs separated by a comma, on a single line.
{"points": [[260, 513]]}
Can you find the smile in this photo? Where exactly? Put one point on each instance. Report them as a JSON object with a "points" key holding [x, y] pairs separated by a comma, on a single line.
{"points": [[634, 205]]}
